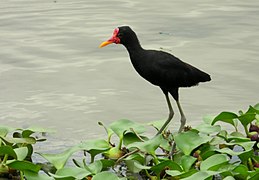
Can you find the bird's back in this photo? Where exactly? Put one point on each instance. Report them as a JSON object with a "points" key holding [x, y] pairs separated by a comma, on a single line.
{"points": [[165, 70]]}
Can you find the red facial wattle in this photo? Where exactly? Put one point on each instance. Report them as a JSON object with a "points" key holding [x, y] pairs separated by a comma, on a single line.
{"points": [[114, 39]]}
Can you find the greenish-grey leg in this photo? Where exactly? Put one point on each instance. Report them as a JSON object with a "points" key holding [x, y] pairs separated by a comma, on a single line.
{"points": [[183, 118]]}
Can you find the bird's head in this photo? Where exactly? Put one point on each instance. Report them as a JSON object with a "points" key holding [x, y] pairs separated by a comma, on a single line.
{"points": [[121, 35]]}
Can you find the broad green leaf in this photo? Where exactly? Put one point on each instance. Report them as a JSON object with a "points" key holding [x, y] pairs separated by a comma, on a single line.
{"points": [[24, 166], [208, 129], [129, 138], [187, 161], [106, 163], [37, 176], [166, 165], [188, 141], [227, 117], [96, 166], [121, 126], [29, 140], [208, 119], [135, 167], [241, 171], [244, 156], [181, 175], [75, 172], [201, 175], [229, 178], [255, 176], [148, 146], [157, 124], [21, 153], [8, 150], [137, 157], [246, 145], [3, 131], [94, 147], [246, 119], [214, 160], [59, 160], [105, 175]]}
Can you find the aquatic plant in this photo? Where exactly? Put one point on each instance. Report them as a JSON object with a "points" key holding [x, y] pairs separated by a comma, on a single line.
{"points": [[204, 152]]}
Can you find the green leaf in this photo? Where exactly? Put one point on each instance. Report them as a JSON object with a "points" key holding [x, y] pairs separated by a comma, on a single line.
{"points": [[36, 176], [21, 153], [129, 138], [241, 171], [59, 160], [8, 150], [24, 166], [75, 172], [246, 118], [169, 165], [157, 124], [105, 175], [148, 146], [213, 161], [208, 129], [96, 167], [11, 140], [227, 117], [135, 167], [229, 178], [180, 175], [4, 131], [121, 126], [201, 175], [187, 161], [188, 141]]}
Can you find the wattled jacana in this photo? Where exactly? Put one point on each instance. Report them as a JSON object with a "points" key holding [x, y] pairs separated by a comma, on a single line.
{"points": [[159, 68]]}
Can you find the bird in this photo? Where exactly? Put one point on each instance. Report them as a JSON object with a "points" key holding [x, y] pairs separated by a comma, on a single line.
{"points": [[160, 68]]}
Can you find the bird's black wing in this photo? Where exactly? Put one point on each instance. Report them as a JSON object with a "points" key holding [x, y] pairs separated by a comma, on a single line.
{"points": [[169, 71]]}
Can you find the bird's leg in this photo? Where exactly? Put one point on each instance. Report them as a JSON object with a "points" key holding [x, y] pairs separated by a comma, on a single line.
{"points": [[171, 114], [183, 118]]}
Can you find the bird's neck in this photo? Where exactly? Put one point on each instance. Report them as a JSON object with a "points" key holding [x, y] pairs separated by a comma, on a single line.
{"points": [[133, 47]]}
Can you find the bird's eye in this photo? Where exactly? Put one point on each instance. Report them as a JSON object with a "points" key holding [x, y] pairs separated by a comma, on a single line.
{"points": [[119, 35]]}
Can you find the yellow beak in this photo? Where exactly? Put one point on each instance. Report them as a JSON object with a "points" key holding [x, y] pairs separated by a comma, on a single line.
{"points": [[105, 43]]}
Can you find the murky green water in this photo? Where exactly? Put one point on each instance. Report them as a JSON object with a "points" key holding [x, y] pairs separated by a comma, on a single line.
{"points": [[53, 74]]}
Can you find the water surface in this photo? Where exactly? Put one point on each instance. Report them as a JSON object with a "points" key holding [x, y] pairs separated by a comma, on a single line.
{"points": [[53, 74]]}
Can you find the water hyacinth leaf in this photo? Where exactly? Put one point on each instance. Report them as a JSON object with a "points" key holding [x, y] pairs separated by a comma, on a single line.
{"points": [[3, 131], [194, 140], [187, 161], [94, 147], [201, 175], [68, 172], [24, 166], [255, 176], [208, 129], [169, 165], [227, 117], [105, 175], [107, 163], [8, 150], [96, 167], [29, 140], [21, 153], [121, 126], [229, 178], [27, 133], [157, 124], [246, 155], [208, 119], [181, 175], [59, 160], [246, 145], [130, 137], [214, 160], [148, 146], [37, 176], [135, 166], [246, 119], [241, 171]]}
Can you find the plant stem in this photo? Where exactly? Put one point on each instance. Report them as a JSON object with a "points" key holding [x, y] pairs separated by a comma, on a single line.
{"points": [[5, 158], [21, 175]]}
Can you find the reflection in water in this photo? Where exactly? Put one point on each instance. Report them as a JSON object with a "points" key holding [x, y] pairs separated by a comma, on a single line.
{"points": [[53, 74]]}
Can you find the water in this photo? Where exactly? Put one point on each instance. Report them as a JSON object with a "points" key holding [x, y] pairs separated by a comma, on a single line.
{"points": [[53, 74]]}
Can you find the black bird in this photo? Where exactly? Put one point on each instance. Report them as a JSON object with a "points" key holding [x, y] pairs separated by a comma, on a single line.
{"points": [[159, 68]]}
